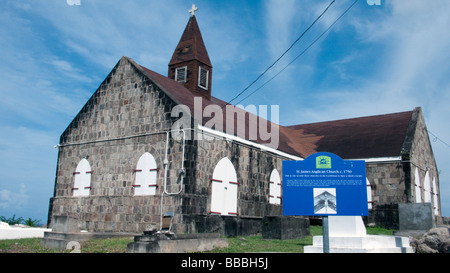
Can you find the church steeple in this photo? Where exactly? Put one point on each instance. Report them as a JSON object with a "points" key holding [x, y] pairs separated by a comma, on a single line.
{"points": [[190, 62]]}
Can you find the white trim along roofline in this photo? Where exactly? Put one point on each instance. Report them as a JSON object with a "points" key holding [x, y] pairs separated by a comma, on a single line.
{"points": [[278, 152], [247, 142]]}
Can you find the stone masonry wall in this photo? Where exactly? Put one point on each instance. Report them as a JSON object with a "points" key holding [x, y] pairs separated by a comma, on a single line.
{"points": [[422, 157], [394, 183], [111, 198], [126, 117], [387, 181], [253, 168], [125, 105]]}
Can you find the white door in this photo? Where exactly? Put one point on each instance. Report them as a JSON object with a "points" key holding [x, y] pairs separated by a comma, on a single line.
{"points": [[224, 189]]}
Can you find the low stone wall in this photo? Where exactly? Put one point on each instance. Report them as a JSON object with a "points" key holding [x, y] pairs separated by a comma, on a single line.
{"points": [[183, 243], [284, 227], [228, 226], [406, 216], [271, 227], [385, 216]]}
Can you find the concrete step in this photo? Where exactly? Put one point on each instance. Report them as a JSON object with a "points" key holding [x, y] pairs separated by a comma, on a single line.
{"points": [[363, 244], [314, 249]]}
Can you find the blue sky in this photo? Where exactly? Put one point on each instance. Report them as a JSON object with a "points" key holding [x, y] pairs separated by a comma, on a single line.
{"points": [[376, 60]]}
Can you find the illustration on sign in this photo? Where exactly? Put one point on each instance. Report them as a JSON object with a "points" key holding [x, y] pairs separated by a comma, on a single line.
{"points": [[324, 184], [324, 201]]}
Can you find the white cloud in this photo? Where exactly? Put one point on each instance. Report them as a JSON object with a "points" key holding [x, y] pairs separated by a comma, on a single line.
{"points": [[403, 44], [14, 199], [279, 24], [27, 170], [63, 65], [411, 69], [103, 31], [5, 198]]}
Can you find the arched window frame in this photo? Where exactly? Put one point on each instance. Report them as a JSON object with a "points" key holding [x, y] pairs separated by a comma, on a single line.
{"points": [[224, 189], [275, 188], [146, 176], [435, 197], [82, 179], [369, 194], [417, 186], [427, 188]]}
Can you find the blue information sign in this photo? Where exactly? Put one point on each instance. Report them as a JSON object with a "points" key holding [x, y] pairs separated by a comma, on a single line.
{"points": [[324, 185]]}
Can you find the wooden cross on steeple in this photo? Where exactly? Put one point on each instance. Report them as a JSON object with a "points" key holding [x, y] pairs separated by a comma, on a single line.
{"points": [[193, 10]]}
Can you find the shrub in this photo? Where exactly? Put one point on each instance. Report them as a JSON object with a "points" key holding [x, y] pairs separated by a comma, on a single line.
{"points": [[11, 221]]}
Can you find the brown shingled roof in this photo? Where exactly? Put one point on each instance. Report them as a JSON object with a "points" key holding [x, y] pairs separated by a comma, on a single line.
{"points": [[365, 137], [181, 95]]}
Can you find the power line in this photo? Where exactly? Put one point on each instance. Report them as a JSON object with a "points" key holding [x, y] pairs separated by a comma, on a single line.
{"points": [[282, 55], [437, 138], [298, 56]]}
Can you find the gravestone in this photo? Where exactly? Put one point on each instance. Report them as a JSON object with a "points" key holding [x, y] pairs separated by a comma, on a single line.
{"points": [[64, 224], [415, 219]]}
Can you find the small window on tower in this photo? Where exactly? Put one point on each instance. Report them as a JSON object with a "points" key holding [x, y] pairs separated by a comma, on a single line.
{"points": [[203, 78], [180, 74]]}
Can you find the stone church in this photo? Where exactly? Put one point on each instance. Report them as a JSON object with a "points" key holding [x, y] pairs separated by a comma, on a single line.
{"points": [[144, 146]]}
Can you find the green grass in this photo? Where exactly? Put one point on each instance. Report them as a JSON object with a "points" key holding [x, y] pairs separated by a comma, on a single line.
{"points": [[379, 231], [32, 245], [257, 244], [114, 245], [236, 244]]}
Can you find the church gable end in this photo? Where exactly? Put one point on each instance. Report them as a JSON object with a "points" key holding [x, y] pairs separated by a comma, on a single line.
{"points": [[423, 169], [127, 103]]}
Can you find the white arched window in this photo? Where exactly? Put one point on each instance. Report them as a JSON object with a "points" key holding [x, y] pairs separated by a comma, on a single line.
{"points": [[417, 186], [224, 189], [82, 180], [369, 194], [146, 175], [435, 197], [275, 188], [427, 188]]}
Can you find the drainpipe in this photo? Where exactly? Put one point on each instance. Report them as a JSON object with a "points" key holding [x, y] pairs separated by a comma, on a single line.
{"points": [[180, 172], [166, 170]]}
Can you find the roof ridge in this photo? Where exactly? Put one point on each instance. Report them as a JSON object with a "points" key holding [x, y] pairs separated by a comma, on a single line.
{"points": [[349, 119]]}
